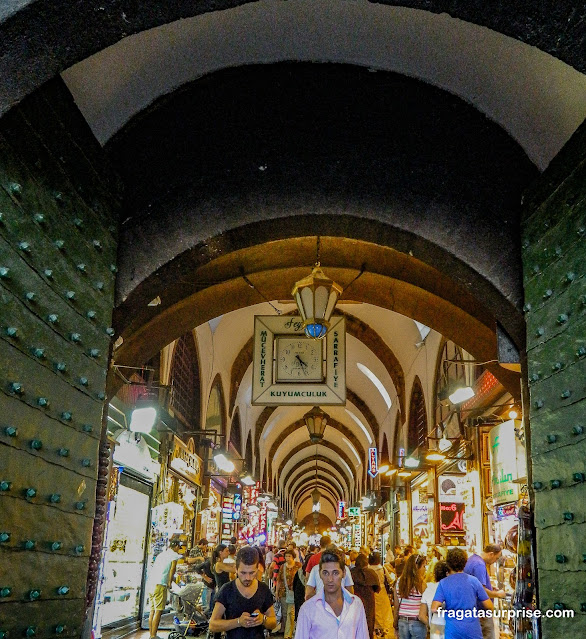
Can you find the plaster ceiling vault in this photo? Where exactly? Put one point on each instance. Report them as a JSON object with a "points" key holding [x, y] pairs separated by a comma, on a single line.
{"points": [[516, 85], [284, 457], [445, 120]]}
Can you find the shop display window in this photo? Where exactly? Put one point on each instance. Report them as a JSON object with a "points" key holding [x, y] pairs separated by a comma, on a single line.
{"points": [[125, 553]]}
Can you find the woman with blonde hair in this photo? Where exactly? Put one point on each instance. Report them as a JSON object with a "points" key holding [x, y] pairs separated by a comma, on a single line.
{"points": [[383, 613]]}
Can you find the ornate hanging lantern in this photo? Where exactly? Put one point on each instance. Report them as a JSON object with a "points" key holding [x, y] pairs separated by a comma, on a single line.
{"points": [[316, 421], [316, 296]]}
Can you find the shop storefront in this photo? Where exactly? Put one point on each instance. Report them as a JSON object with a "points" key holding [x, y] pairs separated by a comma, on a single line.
{"points": [[210, 525], [179, 488], [508, 471], [420, 514], [403, 531], [121, 576]]}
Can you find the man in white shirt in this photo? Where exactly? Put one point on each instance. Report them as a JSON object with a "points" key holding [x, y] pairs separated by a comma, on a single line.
{"points": [[332, 612], [160, 577], [314, 581]]}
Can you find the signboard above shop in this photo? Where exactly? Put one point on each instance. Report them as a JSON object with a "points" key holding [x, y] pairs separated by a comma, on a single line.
{"points": [[503, 463], [373, 462], [185, 462]]}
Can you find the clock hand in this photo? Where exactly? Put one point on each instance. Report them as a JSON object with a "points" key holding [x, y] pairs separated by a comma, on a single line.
{"points": [[300, 360]]}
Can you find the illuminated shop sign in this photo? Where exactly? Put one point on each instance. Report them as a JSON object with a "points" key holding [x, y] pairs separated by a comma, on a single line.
{"points": [[262, 520], [373, 462], [506, 510], [354, 511], [227, 510], [237, 507], [185, 462], [503, 463], [452, 517], [341, 510]]}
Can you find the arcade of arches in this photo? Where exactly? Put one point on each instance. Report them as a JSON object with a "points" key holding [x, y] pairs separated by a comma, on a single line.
{"points": [[167, 180]]}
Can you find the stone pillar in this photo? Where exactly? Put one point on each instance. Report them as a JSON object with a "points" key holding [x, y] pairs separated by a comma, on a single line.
{"points": [[58, 242], [554, 254]]}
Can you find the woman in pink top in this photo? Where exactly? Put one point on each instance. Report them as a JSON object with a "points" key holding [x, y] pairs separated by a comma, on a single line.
{"points": [[333, 613]]}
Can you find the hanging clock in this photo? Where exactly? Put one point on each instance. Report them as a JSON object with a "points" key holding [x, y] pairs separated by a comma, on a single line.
{"points": [[290, 368]]}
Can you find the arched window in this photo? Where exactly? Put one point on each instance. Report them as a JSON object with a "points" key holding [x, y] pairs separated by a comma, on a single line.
{"points": [[417, 429], [185, 396], [450, 373], [236, 434], [384, 455], [216, 412], [248, 453]]}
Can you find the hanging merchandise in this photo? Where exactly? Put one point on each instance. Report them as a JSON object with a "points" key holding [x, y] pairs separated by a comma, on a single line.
{"points": [[168, 518], [524, 599]]}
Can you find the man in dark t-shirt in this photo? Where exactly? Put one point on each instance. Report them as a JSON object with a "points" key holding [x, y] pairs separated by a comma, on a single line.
{"points": [[244, 607]]}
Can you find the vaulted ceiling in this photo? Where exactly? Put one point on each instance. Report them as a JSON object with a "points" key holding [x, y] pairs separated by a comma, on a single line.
{"points": [[405, 135]]}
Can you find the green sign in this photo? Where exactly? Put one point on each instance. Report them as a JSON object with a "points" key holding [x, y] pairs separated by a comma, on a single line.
{"points": [[354, 511]]}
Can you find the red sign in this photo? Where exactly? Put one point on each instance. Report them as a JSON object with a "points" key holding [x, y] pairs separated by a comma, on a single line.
{"points": [[341, 510], [452, 517], [262, 520], [373, 462]]}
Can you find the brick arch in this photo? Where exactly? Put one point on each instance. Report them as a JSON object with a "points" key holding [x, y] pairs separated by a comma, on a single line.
{"points": [[331, 498], [304, 473], [362, 406], [311, 479], [237, 371], [307, 474], [321, 481], [332, 423], [321, 458], [374, 342], [261, 421]]}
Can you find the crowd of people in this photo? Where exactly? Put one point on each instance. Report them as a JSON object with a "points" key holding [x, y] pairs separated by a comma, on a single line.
{"points": [[309, 592]]}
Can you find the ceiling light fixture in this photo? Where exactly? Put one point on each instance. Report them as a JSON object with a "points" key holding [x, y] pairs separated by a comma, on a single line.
{"points": [[316, 421], [316, 296]]}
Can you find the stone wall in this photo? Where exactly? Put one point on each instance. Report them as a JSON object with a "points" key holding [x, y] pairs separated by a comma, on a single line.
{"points": [[554, 233], [58, 241]]}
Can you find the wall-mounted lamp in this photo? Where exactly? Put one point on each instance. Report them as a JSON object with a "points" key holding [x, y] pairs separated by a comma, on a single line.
{"points": [[247, 480], [461, 394], [225, 464], [144, 415], [411, 462]]}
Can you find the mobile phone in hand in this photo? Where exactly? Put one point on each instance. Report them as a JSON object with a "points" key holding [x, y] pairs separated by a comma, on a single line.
{"points": [[254, 614]]}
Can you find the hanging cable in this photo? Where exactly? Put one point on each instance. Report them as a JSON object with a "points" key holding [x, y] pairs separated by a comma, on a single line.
{"points": [[256, 289], [362, 269]]}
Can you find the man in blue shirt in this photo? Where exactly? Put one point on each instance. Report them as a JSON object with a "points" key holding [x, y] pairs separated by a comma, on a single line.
{"points": [[477, 566], [462, 598]]}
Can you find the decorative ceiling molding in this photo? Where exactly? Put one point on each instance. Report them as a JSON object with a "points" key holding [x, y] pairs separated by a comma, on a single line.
{"points": [[309, 479], [332, 423], [306, 473], [300, 498], [282, 477]]}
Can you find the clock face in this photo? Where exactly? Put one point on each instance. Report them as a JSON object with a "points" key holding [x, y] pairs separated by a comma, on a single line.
{"points": [[299, 359]]}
